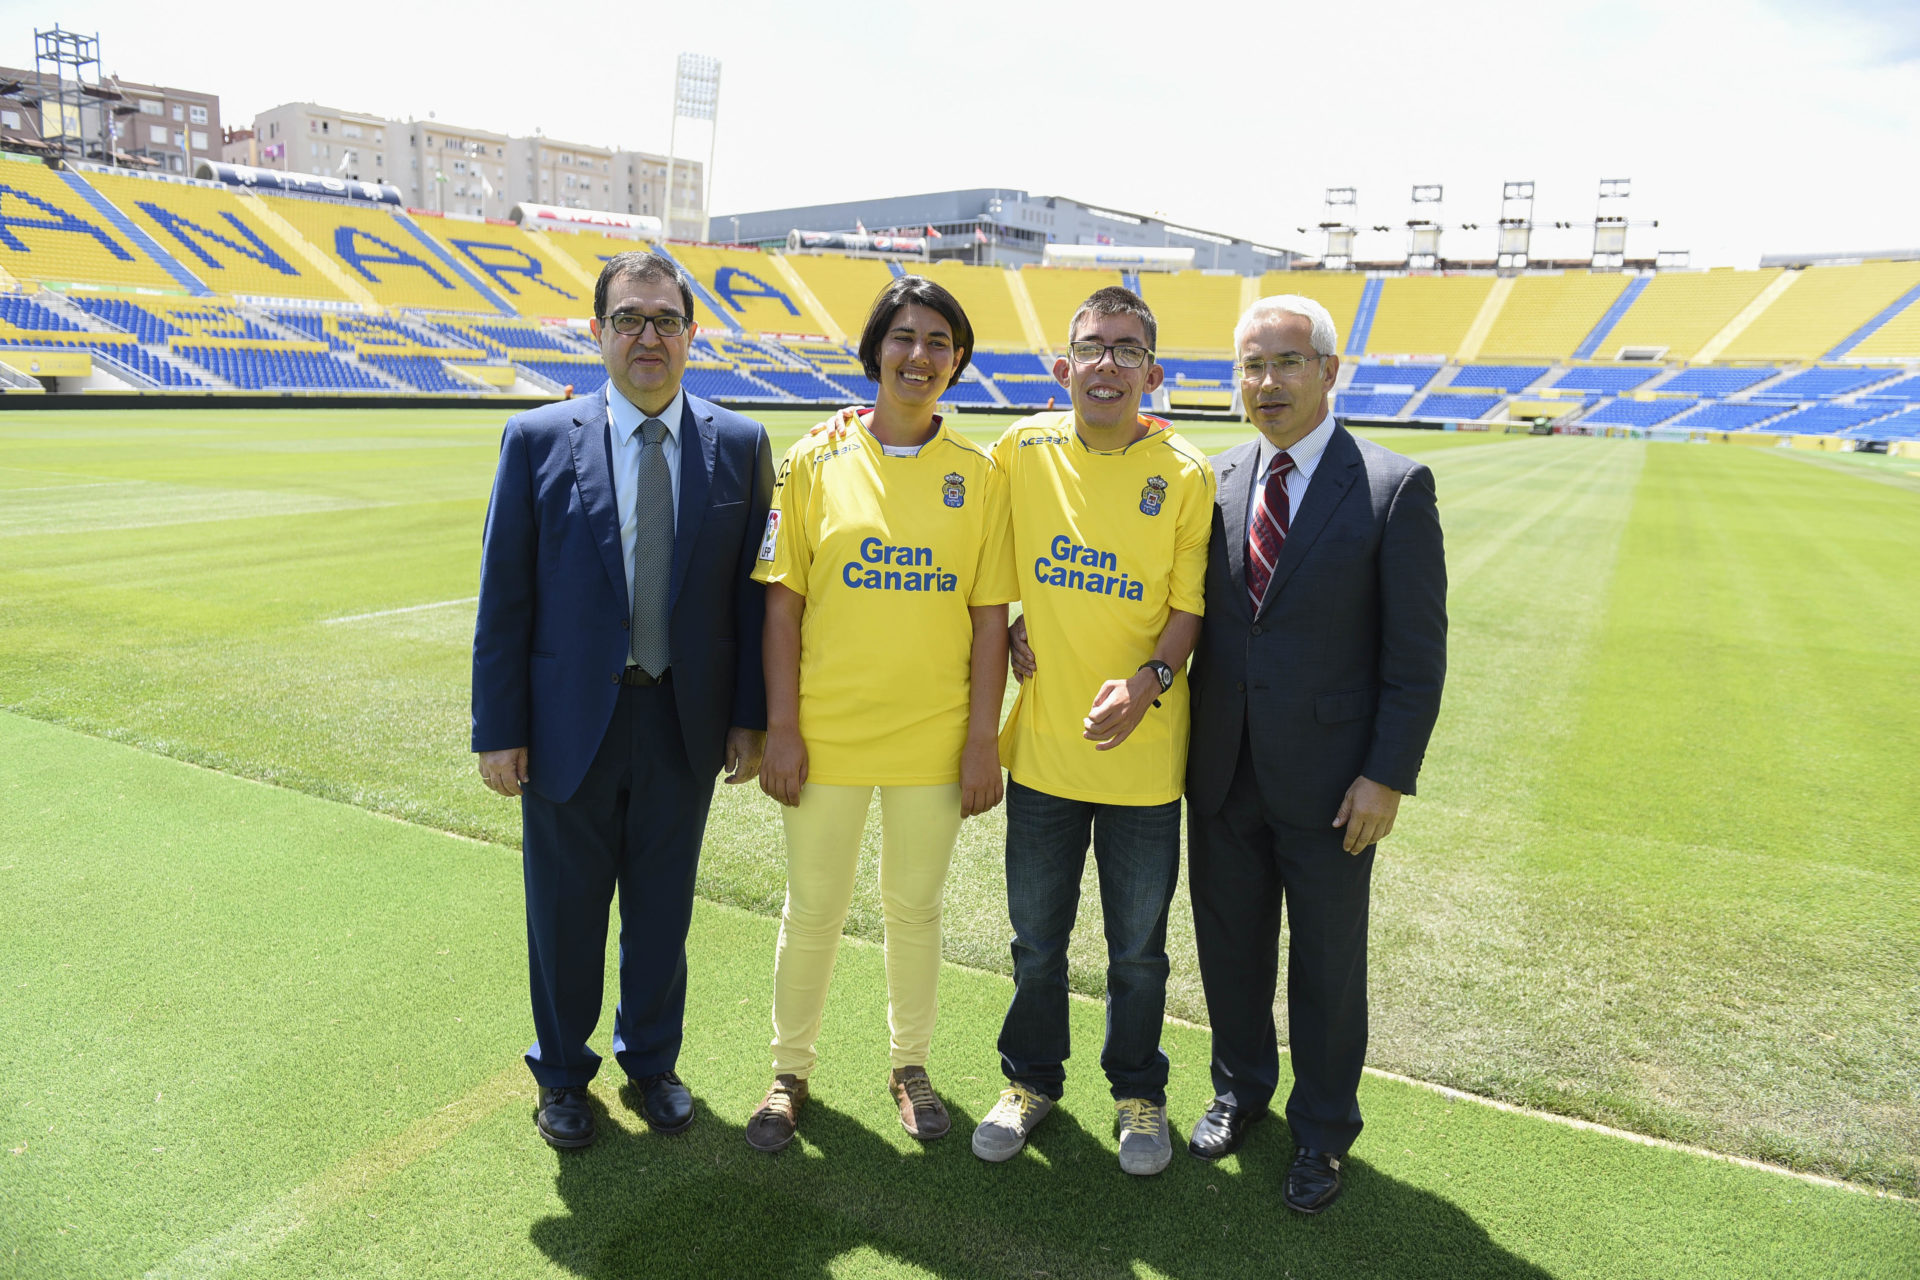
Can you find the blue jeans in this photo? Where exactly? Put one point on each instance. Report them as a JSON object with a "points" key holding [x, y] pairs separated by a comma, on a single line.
{"points": [[1136, 849]]}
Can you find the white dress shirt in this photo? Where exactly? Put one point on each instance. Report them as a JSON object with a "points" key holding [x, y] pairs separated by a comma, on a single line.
{"points": [[624, 426], [1306, 458]]}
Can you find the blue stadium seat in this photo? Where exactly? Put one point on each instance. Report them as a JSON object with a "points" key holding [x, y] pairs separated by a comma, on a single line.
{"points": [[1501, 377], [1607, 381], [1365, 405], [1463, 408], [1726, 416], [1825, 419], [1709, 381], [1393, 375], [1639, 413], [1824, 384]]}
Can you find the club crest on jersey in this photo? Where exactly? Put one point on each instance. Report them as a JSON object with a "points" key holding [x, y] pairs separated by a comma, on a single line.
{"points": [[953, 489], [1153, 496]]}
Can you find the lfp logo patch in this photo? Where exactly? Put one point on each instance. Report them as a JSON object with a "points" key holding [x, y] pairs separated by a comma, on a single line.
{"points": [[1154, 496], [771, 542], [953, 489]]}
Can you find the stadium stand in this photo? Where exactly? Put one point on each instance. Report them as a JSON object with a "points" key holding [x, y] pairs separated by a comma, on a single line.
{"points": [[422, 372], [1903, 390], [50, 232], [385, 257], [589, 250], [1461, 408], [1681, 311], [1501, 377], [23, 318], [1902, 426], [280, 367], [988, 299], [1607, 381], [214, 233], [1824, 306], [1550, 315], [1057, 293], [1825, 384], [1426, 315], [1337, 291], [1725, 415], [1825, 419], [1640, 413], [1896, 335], [1195, 309], [1709, 381], [747, 284], [158, 321], [586, 377], [846, 288], [516, 265], [1393, 375], [1369, 405]]}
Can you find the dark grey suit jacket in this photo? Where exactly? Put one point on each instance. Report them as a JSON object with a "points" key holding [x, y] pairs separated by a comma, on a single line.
{"points": [[1339, 676]]}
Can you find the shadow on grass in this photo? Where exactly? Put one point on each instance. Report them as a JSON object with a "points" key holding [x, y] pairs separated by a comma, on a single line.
{"points": [[706, 1205]]}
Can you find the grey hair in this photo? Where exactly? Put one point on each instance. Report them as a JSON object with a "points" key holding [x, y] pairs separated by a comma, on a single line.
{"points": [[1325, 339]]}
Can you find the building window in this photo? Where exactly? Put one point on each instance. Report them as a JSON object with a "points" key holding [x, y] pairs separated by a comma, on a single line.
{"points": [[198, 115], [157, 134], [9, 119], [148, 107], [179, 112], [173, 163], [199, 139], [349, 130]]}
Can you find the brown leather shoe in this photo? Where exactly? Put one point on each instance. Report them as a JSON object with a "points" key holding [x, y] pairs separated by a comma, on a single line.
{"points": [[771, 1126], [922, 1114]]}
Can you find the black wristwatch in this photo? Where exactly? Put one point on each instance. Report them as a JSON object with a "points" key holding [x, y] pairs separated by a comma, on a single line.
{"points": [[1161, 672]]}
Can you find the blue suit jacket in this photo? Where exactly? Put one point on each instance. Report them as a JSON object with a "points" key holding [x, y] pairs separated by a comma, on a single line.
{"points": [[1339, 675], [551, 638]]}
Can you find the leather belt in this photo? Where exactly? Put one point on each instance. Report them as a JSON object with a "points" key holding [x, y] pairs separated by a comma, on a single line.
{"points": [[637, 676]]}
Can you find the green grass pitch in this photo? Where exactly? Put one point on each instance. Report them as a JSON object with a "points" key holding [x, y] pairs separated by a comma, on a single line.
{"points": [[1661, 875]]}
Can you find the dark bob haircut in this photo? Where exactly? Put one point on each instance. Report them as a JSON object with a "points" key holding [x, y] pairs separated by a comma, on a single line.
{"points": [[1115, 301], [928, 294], [640, 266]]}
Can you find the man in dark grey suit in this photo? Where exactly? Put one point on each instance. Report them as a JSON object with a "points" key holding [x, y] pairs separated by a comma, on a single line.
{"points": [[1315, 689]]}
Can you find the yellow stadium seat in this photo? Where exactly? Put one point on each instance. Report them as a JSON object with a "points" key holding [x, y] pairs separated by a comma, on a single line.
{"points": [[1057, 293], [1822, 308], [373, 248], [1338, 291], [216, 237], [1196, 311], [846, 287], [1897, 339], [749, 288], [1547, 316], [520, 267], [48, 231], [1426, 315], [1683, 310], [984, 296]]}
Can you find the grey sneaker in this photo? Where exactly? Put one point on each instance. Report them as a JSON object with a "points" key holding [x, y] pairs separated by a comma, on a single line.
{"points": [[1004, 1131], [1145, 1147]]}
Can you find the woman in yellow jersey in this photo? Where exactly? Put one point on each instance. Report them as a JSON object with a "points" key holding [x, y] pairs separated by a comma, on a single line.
{"points": [[889, 569]]}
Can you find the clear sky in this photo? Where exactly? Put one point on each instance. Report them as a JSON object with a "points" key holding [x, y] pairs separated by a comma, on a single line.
{"points": [[1746, 126]]}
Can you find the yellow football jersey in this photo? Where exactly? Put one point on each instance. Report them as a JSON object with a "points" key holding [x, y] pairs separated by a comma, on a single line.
{"points": [[890, 552], [1105, 546]]}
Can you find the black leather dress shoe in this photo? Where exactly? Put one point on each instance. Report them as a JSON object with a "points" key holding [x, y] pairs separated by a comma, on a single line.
{"points": [[1219, 1132], [565, 1120], [1313, 1180], [665, 1102]]}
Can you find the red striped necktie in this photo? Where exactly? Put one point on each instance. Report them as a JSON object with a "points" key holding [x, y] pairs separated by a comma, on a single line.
{"points": [[1268, 531]]}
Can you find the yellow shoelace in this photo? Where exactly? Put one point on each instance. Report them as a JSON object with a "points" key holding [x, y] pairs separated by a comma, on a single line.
{"points": [[1137, 1115], [1024, 1101]]}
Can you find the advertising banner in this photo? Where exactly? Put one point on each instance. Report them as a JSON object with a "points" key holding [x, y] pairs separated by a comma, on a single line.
{"points": [[314, 184]]}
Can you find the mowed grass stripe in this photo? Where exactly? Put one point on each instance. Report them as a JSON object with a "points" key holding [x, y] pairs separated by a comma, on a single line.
{"points": [[403, 1144]]}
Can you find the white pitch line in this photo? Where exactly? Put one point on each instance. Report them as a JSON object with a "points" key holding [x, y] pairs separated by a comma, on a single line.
{"points": [[388, 613]]}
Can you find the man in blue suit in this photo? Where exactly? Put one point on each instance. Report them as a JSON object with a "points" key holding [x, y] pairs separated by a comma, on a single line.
{"points": [[616, 670], [1315, 690]]}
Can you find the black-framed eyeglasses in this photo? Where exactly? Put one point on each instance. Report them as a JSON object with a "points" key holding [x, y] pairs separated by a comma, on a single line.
{"points": [[1127, 355], [1284, 366], [631, 324]]}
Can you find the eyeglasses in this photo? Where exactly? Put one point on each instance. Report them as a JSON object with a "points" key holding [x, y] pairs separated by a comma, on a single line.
{"points": [[631, 324], [1286, 366], [1126, 354]]}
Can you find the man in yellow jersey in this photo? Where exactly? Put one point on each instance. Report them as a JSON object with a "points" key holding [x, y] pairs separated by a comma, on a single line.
{"points": [[1111, 513]]}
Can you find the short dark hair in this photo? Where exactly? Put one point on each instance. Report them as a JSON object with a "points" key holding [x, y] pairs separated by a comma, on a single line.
{"points": [[1115, 301], [640, 266], [898, 294]]}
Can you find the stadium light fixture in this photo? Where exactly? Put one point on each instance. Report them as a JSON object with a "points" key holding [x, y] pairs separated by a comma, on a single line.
{"points": [[1423, 232], [696, 96], [1515, 242], [1610, 228], [1341, 205]]}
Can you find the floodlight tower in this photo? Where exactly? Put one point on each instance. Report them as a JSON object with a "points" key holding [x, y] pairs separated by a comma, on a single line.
{"points": [[1341, 205], [696, 96], [60, 111], [1516, 227], [1610, 225], [1423, 233]]}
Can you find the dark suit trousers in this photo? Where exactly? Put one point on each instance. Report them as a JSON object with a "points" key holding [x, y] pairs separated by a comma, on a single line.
{"points": [[635, 824], [1243, 864]]}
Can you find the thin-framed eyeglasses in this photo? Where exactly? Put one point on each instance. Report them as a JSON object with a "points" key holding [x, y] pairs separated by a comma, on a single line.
{"points": [[631, 324], [1127, 355], [1283, 366]]}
